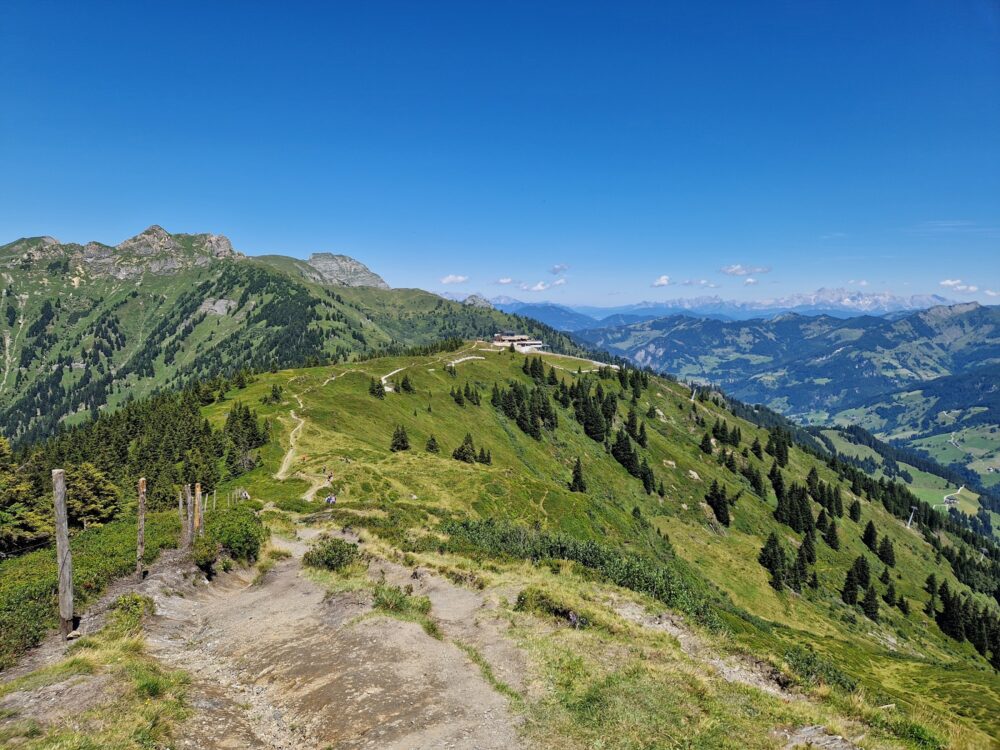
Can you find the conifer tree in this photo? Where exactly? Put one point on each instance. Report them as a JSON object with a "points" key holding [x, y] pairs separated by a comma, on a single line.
{"points": [[406, 385], [772, 557], [400, 440], [850, 591], [830, 535], [466, 452], [855, 511], [870, 604], [870, 537], [432, 445], [718, 502], [706, 444], [577, 483], [862, 572], [886, 553], [91, 498], [809, 548], [756, 448], [376, 389], [889, 597]]}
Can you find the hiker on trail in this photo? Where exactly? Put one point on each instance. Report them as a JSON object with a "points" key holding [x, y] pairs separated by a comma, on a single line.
{"points": [[330, 499]]}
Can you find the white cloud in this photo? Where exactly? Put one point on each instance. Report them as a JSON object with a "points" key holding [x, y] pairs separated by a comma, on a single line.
{"points": [[858, 282], [750, 281], [738, 269], [559, 268], [991, 293], [541, 286], [663, 280], [454, 278], [700, 282], [957, 285], [505, 280], [559, 282]]}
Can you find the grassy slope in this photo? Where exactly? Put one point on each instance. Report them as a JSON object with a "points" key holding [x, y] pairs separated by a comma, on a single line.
{"points": [[347, 432]]}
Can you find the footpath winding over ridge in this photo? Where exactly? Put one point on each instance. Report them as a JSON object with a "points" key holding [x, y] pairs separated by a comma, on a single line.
{"points": [[283, 665]]}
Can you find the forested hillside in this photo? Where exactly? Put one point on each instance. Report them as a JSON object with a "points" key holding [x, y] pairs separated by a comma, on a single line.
{"points": [[89, 326], [923, 378], [580, 484]]}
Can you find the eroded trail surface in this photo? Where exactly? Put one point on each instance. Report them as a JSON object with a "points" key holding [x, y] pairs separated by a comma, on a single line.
{"points": [[280, 664]]}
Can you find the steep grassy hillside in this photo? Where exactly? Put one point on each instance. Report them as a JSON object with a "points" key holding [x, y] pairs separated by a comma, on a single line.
{"points": [[335, 438]]}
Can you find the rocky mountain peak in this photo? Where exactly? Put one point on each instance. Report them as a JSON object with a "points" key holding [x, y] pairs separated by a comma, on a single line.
{"points": [[344, 270], [477, 300]]}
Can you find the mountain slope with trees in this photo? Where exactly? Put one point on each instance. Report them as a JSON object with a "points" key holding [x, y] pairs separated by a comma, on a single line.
{"points": [[567, 479], [911, 377], [89, 326]]}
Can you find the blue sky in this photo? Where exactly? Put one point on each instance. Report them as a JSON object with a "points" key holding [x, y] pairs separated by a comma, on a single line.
{"points": [[798, 144]]}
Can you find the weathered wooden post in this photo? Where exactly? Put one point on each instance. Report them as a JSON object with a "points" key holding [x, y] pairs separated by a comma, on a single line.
{"points": [[197, 509], [140, 547], [189, 531], [180, 509], [64, 558]]}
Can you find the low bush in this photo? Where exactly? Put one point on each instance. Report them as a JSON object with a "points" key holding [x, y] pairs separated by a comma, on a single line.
{"points": [[669, 582], [812, 669], [540, 601], [330, 553], [29, 584], [205, 552], [238, 532]]}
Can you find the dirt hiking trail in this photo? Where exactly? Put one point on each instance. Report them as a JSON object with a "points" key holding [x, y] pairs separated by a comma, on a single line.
{"points": [[282, 665]]}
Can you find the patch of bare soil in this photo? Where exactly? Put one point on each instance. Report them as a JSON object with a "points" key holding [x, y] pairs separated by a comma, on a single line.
{"points": [[743, 670], [464, 616], [281, 665]]}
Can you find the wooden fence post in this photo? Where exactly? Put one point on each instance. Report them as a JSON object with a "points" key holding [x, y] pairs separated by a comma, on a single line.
{"points": [[64, 558], [140, 547], [189, 531], [197, 509]]}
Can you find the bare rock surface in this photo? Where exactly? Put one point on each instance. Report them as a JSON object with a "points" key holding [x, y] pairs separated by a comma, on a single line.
{"points": [[345, 271]]}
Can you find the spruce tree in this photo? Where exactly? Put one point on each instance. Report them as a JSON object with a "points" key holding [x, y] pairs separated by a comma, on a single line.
{"points": [[886, 553], [830, 535], [432, 445], [850, 591], [718, 502], [376, 389], [466, 452], [772, 557], [577, 483], [400, 440], [855, 511], [706, 444], [870, 537], [889, 597], [809, 548], [870, 604]]}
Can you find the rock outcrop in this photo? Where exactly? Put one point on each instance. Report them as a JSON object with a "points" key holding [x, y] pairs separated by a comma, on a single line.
{"points": [[477, 300], [342, 270]]}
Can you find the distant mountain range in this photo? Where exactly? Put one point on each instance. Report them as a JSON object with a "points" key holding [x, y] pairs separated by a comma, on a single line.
{"points": [[837, 303], [907, 377]]}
